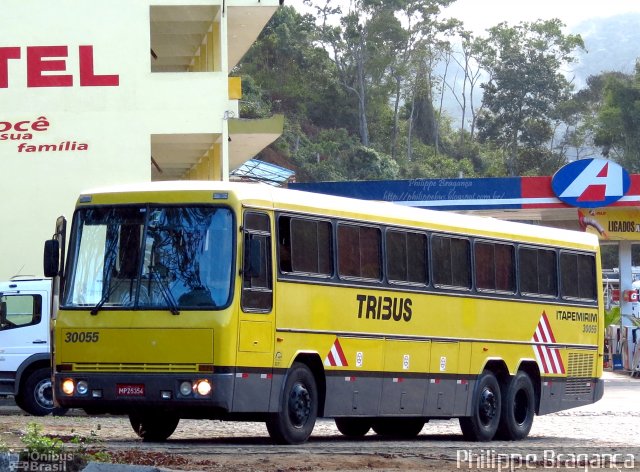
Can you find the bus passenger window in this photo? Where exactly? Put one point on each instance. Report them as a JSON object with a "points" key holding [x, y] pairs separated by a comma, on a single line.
{"points": [[494, 267], [537, 271], [406, 257], [451, 261], [359, 252], [311, 246], [578, 276]]}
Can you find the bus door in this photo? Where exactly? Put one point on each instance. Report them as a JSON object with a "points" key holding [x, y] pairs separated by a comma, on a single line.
{"points": [[256, 319]]}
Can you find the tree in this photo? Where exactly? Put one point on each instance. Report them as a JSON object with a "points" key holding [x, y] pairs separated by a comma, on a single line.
{"points": [[618, 129], [287, 71], [525, 86]]}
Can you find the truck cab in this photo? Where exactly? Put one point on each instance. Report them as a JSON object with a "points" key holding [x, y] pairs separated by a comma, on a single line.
{"points": [[25, 359]]}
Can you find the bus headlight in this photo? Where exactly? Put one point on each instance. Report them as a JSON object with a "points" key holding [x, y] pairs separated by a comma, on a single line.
{"points": [[68, 387], [82, 388], [185, 389], [202, 387]]}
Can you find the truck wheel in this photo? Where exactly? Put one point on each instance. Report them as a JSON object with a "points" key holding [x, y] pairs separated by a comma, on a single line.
{"points": [[154, 427], [518, 408], [298, 408], [485, 410], [36, 395]]}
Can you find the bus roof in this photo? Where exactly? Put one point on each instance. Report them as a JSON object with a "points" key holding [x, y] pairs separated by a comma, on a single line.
{"points": [[262, 195]]}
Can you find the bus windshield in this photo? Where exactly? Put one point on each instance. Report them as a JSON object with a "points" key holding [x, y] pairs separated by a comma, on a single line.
{"points": [[150, 257]]}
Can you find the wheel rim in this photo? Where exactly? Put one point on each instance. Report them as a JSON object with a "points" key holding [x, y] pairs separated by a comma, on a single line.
{"points": [[521, 407], [43, 394], [487, 409], [299, 405]]}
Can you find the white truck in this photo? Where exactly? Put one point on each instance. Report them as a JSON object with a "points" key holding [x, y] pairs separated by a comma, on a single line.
{"points": [[25, 358]]}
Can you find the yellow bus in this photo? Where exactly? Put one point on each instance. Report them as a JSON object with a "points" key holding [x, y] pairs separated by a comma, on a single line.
{"points": [[231, 301]]}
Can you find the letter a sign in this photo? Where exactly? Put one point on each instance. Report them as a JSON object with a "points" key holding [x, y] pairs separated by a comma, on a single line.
{"points": [[591, 183]]}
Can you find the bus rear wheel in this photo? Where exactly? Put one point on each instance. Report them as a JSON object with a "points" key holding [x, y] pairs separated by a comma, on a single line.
{"points": [[485, 410], [153, 426], [298, 408], [398, 427], [518, 408], [353, 427]]}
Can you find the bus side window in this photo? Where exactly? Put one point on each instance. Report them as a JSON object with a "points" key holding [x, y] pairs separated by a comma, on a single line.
{"points": [[494, 267], [359, 252], [256, 274], [451, 262], [578, 276], [407, 257], [537, 272]]}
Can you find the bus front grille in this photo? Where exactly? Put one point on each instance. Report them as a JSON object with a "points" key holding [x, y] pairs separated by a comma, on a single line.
{"points": [[109, 367]]}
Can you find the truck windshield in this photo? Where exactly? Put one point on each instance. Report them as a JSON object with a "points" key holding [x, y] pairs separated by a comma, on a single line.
{"points": [[149, 257]]}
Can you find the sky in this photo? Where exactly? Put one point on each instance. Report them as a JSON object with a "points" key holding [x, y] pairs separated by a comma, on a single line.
{"points": [[478, 15]]}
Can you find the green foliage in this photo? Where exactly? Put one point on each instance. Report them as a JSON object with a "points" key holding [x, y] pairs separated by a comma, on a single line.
{"points": [[361, 90], [612, 316], [40, 444], [618, 128], [526, 86], [42, 448]]}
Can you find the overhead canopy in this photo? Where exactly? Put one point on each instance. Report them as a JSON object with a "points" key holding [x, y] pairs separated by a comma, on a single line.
{"points": [[260, 171]]}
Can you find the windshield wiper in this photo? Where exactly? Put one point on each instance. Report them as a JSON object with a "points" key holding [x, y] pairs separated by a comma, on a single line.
{"points": [[166, 293], [94, 311]]}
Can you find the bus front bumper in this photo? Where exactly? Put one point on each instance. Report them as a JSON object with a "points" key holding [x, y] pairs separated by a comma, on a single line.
{"points": [[123, 393]]}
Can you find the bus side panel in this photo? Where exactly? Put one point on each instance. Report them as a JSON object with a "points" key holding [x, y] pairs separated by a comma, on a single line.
{"points": [[404, 388]]}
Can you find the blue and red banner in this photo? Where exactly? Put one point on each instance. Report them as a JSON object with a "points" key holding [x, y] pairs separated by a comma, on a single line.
{"points": [[463, 194]]}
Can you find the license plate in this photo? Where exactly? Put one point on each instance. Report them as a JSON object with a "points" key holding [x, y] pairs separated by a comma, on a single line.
{"points": [[130, 390]]}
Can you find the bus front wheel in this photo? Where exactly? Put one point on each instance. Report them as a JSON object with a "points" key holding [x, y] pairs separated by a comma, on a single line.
{"points": [[153, 427], [298, 408], [517, 408], [485, 410]]}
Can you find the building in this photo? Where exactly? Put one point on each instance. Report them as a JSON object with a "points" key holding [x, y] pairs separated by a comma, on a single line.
{"points": [[96, 92]]}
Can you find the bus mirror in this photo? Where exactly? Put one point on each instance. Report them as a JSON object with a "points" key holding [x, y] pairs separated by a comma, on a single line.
{"points": [[253, 258], [51, 260]]}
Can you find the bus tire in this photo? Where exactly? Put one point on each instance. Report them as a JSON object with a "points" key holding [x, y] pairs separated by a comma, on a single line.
{"points": [[298, 408], [518, 408], [155, 427], [486, 406], [398, 427], [36, 395], [353, 427]]}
